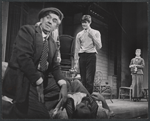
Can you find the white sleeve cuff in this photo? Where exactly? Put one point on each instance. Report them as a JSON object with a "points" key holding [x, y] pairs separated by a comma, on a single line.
{"points": [[61, 82], [39, 82]]}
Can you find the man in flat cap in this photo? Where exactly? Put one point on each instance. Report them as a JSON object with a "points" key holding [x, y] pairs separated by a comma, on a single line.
{"points": [[87, 42], [33, 82]]}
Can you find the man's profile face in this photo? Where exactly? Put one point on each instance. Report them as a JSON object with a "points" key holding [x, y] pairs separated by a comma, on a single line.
{"points": [[85, 25], [50, 22]]}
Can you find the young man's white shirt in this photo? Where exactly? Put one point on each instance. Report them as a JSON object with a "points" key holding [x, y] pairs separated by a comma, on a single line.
{"points": [[84, 43]]}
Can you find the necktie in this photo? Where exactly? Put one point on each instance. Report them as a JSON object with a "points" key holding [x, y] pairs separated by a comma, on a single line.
{"points": [[44, 56]]}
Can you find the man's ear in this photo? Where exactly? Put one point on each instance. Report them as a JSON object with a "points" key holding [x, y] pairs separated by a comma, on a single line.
{"points": [[57, 26]]}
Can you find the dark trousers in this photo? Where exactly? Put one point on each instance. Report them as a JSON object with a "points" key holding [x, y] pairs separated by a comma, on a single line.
{"points": [[37, 110], [87, 64]]}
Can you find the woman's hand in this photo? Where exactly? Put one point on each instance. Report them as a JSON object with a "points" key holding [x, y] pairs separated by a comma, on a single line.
{"points": [[131, 66]]}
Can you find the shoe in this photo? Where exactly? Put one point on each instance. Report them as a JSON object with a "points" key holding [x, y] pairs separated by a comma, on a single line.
{"points": [[111, 114], [134, 99], [138, 99], [143, 94]]}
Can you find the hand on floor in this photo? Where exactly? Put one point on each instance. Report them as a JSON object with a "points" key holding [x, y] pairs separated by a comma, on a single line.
{"points": [[97, 96], [110, 114]]}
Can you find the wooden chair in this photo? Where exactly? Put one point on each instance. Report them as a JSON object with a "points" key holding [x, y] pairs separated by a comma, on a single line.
{"points": [[97, 81], [67, 48], [146, 95], [104, 89], [125, 92]]}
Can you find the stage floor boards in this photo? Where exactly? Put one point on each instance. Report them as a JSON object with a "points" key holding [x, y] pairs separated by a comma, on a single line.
{"points": [[127, 109]]}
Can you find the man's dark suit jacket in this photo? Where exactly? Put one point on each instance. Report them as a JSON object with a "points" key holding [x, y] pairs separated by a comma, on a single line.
{"points": [[22, 68]]}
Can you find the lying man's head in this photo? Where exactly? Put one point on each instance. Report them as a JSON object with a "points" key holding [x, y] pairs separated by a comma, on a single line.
{"points": [[83, 109]]}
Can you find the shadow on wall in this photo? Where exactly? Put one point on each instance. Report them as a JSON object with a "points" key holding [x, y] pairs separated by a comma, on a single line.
{"points": [[77, 23], [33, 16], [127, 81], [77, 30]]}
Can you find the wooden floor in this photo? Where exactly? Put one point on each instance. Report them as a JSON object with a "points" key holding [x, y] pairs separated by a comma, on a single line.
{"points": [[127, 109]]}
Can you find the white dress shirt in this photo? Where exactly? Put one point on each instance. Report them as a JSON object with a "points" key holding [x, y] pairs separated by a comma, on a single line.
{"points": [[87, 41]]}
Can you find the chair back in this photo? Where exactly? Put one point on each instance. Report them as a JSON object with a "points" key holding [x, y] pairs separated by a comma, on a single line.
{"points": [[67, 48], [98, 86], [98, 78]]}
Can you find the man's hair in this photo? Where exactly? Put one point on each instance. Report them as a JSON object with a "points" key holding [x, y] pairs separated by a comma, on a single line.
{"points": [[83, 112], [86, 18], [45, 11], [138, 50]]}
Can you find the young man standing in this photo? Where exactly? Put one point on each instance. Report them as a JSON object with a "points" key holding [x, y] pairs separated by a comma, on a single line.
{"points": [[87, 43]]}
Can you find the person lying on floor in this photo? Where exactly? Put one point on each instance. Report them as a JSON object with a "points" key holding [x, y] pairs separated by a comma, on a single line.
{"points": [[79, 96], [81, 105], [76, 91]]}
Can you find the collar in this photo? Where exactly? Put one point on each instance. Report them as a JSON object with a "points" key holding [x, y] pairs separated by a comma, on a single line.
{"points": [[43, 34], [137, 56]]}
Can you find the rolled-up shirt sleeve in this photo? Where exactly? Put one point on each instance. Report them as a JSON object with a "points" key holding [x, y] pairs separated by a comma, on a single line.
{"points": [[61, 82], [77, 48], [97, 39]]}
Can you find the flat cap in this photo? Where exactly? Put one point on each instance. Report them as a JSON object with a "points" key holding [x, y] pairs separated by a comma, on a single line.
{"points": [[51, 9], [86, 18]]}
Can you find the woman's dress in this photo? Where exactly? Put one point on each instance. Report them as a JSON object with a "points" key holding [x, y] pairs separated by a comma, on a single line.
{"points": [[137, 77]]}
